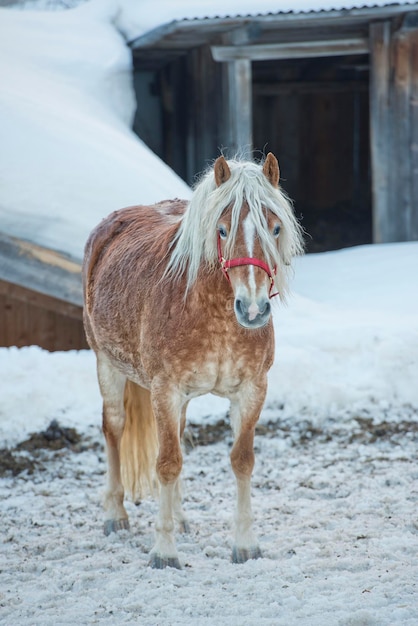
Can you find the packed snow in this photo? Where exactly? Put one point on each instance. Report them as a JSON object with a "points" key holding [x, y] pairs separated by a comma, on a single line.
{"points": [[335, 486]]}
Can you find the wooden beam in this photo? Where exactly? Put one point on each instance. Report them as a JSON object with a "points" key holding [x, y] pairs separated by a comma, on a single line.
{"points": [[291, 50], [401, 183], [308, 87], [240, 106], [41, 300], [41, 270], [414, 136], [380, 144]]}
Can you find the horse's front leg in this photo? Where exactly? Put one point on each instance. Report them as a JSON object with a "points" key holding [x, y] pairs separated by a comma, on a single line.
{"points": [[178, 512], [167, 407], [245, 411]]}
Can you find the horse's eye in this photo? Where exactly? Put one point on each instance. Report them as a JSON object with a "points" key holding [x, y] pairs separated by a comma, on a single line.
{"points": [[276, 230], [223, 233]]}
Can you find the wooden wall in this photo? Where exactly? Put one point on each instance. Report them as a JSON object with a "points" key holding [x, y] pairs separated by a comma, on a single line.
{"points": [[394, 129], [28, 318], [348, 148], [315, 117], [181, 114]]}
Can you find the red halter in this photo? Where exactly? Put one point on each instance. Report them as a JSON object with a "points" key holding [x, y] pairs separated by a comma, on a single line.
{"points": [[226, 265]]}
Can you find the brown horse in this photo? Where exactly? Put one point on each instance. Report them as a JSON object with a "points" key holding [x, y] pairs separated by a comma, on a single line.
{"points": [[166, 327]]}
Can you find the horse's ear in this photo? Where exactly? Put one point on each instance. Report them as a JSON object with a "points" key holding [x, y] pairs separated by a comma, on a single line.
{"points": [[271, 169], [222, 171]]}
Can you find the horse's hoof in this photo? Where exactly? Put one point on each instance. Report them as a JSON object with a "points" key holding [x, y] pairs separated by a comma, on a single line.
{"points": [[184, 527], [240, 555], [113, 525], [160, 562]]}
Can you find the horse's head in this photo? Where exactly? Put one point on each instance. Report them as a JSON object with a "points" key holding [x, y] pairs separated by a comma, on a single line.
{"points": [[241, 221], [242, 250]]}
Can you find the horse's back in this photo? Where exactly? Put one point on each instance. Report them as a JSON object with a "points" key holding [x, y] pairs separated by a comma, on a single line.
{"points": [[128, 247], [124, 228]]}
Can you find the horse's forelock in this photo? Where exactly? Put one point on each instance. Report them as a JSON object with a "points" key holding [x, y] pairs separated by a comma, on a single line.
{"points": [[196, 240]]}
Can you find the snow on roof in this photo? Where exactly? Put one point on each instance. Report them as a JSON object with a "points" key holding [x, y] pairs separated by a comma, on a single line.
{"points": [[68, 154]]}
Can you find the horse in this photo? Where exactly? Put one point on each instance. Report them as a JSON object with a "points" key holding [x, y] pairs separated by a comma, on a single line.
{"points": [[177, 304]]}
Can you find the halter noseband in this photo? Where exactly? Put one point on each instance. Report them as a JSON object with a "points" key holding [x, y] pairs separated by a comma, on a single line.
{"points": [[227, 264]]}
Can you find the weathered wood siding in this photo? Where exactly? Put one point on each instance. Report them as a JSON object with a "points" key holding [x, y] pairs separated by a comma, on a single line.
{"points": [[347, 146], [394, 129], [319, 129], [27, 318], [40, 297]]}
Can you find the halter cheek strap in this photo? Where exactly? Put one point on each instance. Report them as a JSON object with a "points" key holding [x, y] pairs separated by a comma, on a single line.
{"points": [[227, 264]]}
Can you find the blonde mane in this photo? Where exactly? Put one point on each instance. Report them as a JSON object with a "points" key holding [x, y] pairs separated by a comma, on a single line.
{"points": [[196, 243]]}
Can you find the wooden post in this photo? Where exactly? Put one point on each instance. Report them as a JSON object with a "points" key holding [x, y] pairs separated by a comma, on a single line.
{"points": [[380, 130], [413, 225], [400, 188], [240, 106], [238, 112]]}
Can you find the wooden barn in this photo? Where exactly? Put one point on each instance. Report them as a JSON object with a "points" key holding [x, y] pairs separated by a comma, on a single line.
{"points": [[334, 94]]}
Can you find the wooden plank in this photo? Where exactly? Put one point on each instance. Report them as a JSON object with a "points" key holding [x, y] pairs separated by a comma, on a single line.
{"points": [[401, 183], [291, 50], [413, 226], [240, 106], [206, 119], [41, 270], [380, 129], [305, 87], [24, 323], [44, 301]]}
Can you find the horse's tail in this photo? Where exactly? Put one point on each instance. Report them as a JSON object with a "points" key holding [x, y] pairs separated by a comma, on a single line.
{"points": [[139, 444]]}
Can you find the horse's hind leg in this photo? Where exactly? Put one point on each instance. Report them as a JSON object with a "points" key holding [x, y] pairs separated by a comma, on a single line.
{"points": [[112, 385]]}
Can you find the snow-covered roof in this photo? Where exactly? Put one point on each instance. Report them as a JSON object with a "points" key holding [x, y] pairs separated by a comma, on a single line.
{"points": [[69, 156]]}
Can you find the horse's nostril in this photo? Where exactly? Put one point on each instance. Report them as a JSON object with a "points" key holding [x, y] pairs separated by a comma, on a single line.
{"points": [[239, 306], [265, 310]]}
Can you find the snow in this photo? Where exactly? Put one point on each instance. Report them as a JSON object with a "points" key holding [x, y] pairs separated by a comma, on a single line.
{"points": [[66, 107], [335, 483], [334, 488]]}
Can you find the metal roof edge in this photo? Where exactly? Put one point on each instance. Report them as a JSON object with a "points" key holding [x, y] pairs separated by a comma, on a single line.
{"points": [[153, 36]]}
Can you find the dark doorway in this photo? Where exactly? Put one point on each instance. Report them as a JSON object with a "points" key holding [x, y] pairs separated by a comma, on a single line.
{"points": [[314, 115]]}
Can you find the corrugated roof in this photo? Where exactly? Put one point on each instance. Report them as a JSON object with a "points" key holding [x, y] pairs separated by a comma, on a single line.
{"points": [[174, 38], [302, 9]]}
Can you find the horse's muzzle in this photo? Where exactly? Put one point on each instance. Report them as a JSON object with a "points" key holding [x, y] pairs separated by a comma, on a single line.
{"points": [[252, 315]]}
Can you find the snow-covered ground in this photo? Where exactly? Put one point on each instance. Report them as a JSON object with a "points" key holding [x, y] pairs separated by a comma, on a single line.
{"points": [[335, 486]]}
